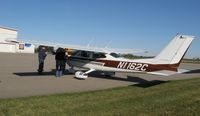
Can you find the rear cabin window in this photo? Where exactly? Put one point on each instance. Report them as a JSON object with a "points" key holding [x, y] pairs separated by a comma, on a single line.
{"points": [[115, 55]]}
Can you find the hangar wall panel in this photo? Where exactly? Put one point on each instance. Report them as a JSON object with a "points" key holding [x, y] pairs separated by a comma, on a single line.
{"points": [[7, 34], [11, 48]]}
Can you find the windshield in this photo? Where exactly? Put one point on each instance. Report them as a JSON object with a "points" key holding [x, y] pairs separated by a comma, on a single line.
{"points": [[76, 53]]}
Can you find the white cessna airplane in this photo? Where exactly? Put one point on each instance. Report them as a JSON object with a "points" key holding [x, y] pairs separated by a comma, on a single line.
{"points": [[97, 59], [166, 63]]}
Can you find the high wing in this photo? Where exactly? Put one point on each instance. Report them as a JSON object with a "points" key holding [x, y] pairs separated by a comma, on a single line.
{"points": [[85, 48]]}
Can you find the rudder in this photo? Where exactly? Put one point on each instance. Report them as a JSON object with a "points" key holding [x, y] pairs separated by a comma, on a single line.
{"points": [[175, 50]]}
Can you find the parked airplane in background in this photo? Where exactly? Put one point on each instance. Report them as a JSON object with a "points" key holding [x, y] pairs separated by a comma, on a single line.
{"points": [[98, 59]]}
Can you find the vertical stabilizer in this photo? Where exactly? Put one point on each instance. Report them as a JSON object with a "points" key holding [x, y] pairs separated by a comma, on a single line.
{"points": [[175, 50]]}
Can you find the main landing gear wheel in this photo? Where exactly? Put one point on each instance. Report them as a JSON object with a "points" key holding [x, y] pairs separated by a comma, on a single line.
{"points": [[71, 71], [81, 75]]}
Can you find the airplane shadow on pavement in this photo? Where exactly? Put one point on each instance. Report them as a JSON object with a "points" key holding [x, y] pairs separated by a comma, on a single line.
{"points": [[136, 80], [139, 81], [50, 73], [33, 74], [150, 83], [193, 71]]}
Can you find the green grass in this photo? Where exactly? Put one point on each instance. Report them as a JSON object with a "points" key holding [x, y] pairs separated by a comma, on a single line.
{"points": [[171, 98]]}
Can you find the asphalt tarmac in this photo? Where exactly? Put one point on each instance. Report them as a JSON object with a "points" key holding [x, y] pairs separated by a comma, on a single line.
{"points": [[19, 78]]}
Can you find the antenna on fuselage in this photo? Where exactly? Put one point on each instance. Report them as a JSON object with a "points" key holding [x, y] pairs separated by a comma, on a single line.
{"points": [[88, 45], [108, 44]]}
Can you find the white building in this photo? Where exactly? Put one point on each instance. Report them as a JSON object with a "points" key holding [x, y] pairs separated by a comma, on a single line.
{"points": [[9, 43]]}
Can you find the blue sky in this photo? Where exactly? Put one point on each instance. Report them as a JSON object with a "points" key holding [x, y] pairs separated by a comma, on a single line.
{"points": [[137, 24]]}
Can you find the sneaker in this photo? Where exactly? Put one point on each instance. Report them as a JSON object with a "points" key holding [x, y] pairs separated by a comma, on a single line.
{"points": [[60, 73], [57, 73]]}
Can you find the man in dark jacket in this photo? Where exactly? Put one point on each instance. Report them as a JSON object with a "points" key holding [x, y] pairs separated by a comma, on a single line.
{"points": [[60, 61], [41, 56]]}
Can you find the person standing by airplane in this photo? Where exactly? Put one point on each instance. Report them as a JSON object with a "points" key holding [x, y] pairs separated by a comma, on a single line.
{"points": [[66, 59], [41, 56], [60, 61]]}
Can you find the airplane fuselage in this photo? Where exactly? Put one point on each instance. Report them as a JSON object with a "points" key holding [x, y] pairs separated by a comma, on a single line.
{"points": [[118, 65], [165, 63]]}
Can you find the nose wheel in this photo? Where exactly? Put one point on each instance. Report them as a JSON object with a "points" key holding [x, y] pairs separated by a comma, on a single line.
{"points": [[83, 75]]}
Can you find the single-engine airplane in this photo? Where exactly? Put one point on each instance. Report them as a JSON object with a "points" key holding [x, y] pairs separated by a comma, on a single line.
{"points": [[166, 63], [94, 59]]}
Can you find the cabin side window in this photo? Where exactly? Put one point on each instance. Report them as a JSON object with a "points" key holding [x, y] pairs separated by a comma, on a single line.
{"points": [[99, 55], [88, 54], [115, 55], [84, 54]]}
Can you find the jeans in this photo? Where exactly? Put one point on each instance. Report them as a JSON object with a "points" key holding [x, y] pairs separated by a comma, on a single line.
{"points": [[41, 65], [60, 65]]}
